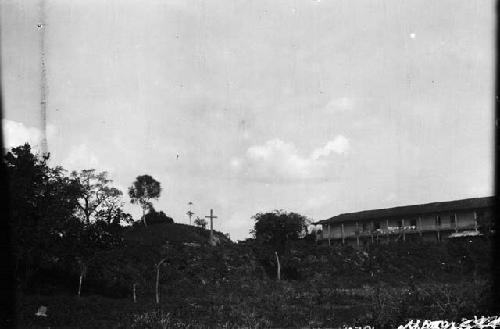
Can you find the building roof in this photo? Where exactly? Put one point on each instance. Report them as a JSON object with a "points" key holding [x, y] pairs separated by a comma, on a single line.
{"points": [[420, 209]]}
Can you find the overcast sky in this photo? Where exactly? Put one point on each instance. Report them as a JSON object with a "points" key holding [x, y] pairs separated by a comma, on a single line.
{"points": [[244, 106]]}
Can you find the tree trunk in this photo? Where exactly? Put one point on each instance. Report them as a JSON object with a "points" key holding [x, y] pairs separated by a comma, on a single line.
{"points": [[135, 299], [278, 268], [144, 217], [87, 212]]}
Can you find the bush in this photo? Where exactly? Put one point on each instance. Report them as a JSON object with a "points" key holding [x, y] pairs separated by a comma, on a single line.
{"points": [[153, 217]]}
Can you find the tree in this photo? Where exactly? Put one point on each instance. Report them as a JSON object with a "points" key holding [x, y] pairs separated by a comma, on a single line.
{"points": [[114, 216], [98, 200], [155, 217], [201, 222], [42, 203], [143, 190], [279, 227]]}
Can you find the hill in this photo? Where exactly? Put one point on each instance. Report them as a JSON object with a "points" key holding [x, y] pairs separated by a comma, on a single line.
{"points": [[160, 233], [234, 285]]}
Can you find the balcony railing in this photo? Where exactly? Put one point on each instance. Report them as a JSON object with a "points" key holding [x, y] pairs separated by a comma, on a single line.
{"points": [[397, 230]]}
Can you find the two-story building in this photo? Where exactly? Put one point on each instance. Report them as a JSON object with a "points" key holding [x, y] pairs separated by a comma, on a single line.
{"points": [[429, 222]]}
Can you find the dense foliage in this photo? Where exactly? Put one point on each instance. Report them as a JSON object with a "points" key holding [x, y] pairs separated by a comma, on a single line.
{"points": [[144, 189], [279, 227], [60, 223], [157, 217], [67, 227]]}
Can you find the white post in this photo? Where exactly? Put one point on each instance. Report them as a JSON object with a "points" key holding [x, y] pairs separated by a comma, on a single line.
{"points": [[135, 299], [83, 271], [80, 284], [158, 280], [456, 222], [278, 267], [342, 231]]}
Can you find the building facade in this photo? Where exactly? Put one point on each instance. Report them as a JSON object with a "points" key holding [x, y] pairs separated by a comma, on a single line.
{"points": [[428, 222]]}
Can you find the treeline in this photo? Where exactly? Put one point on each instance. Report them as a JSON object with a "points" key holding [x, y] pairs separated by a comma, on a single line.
{"points": [[67, 229], [61, 222]]}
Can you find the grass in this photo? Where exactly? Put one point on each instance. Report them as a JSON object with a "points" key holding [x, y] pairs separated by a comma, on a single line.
{"points": [[228, 287], [264, 304]]}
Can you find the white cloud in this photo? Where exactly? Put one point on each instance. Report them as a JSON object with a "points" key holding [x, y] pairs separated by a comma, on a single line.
{"points": [[16, 133], [277, 160], [80, 157], [339, 145], [340, 104]]}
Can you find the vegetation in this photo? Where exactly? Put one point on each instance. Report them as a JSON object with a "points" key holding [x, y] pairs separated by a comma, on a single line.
{"points": [[200, 222], [97, 199], [73, 255], [154, 217], [279, 227], [143, 190]]}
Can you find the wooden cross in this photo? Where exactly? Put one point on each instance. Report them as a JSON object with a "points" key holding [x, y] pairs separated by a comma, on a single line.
{"points": [[211, 225]]}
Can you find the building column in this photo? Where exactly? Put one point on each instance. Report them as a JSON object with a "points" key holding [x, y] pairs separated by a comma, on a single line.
{"points": [[329, 235], [403, 228], [420, 225], [371, 230], [456, 222], [475, 220], [342, 232], [388, 233], [357, 233]]}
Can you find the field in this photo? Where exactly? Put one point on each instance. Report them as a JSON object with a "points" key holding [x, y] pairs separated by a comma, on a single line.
{"points": [[234, 286]]}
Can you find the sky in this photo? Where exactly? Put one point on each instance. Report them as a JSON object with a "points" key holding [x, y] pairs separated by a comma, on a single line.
{"points": [[245, 106]]}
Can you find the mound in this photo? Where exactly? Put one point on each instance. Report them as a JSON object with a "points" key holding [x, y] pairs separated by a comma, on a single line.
{"points": [[160, 233]]}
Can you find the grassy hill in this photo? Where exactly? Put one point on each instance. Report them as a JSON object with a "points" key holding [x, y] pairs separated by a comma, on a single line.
{"points": [[234, 285], [157, 234]]}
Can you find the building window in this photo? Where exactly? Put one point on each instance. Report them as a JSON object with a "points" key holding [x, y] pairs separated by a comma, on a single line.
{"points": [[438, 220], [400, 223], [452, 219], [413, 222], [376, 225], [365, 227]]}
